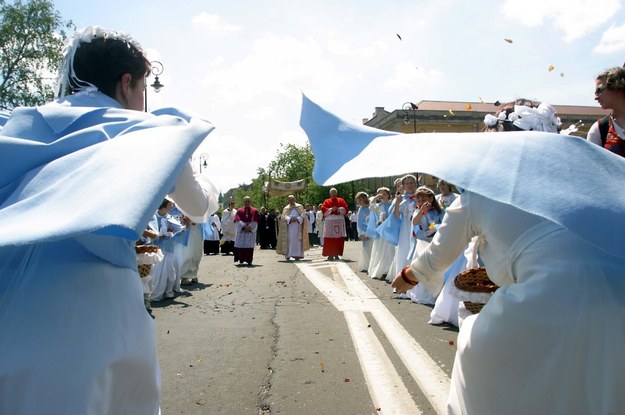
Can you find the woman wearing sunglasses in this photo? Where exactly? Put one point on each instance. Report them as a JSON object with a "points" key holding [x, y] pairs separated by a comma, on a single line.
{"points": [[609, 132]]}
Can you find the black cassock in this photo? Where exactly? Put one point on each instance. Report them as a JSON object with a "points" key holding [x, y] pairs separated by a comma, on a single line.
{"points": [[267, 231]]}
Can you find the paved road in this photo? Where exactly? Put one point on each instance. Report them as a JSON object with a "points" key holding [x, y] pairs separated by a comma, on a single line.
{"points": [[306, 337]]}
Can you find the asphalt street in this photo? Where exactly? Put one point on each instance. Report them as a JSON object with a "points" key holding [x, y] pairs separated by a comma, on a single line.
{"points": [[305, 337]]}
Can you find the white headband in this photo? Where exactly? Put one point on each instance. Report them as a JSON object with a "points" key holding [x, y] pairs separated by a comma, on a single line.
{"points": [[86, 35]]}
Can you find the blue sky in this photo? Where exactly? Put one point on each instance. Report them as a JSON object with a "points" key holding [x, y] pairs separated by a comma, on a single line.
{"points": [[244, 64]]}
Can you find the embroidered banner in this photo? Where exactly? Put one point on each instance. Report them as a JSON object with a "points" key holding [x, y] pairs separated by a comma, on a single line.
{"points": [[276, 188]]}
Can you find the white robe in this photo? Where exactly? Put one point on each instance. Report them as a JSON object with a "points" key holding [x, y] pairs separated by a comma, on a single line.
{"points": [[229, 228], [295, 247], [551, 339], [320, 225], [166, 274], [192, 253], [245, 239]]}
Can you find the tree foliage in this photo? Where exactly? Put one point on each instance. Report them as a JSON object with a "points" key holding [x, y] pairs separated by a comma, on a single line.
{"points": [[292, 163], [32, 35]]}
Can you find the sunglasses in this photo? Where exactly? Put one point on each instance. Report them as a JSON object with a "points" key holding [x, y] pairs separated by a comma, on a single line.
{"points": [[599, 90]]}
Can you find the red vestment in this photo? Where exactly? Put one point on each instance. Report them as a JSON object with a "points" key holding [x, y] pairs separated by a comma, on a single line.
{"points": [[334, 226]]}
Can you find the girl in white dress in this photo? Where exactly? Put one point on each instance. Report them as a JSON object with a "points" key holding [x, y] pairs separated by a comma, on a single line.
{"points": [[425, 221], [382, 251]]}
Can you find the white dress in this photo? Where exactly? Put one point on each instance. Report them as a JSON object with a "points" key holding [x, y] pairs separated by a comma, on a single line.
{"points": [[367, 243], [192, 253], [446, 307], [406, 209], [382, 251], [166, 274], [551, 339], [212, 227]]}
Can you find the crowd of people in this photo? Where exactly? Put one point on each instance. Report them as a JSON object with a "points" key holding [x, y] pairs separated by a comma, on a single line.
{"points": [[72, 279], [517, 213]]}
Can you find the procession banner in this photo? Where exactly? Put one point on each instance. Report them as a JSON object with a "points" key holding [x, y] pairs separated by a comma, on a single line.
{"points": [[277, 188]]}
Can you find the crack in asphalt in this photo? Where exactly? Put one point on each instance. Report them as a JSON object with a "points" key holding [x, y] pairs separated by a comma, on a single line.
{"points": [[264, 408]]}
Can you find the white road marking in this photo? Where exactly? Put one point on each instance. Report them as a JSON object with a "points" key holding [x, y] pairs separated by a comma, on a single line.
{"points": [[387, 390]]}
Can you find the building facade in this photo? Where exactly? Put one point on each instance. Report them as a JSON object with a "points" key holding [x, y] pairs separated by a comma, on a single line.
{"points": [[454, 116]]}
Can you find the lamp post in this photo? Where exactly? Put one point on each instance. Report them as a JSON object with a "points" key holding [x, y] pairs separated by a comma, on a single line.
{"points": [[203, 161], [409, 106], [157, 69]]}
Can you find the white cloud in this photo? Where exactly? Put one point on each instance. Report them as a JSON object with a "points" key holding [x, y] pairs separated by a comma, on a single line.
{"points": [[212, 23], [408, 76], [260, 113], [216, 61], [612, 40], [343, 48], [230, 161], [575, 18], [275, 65]]}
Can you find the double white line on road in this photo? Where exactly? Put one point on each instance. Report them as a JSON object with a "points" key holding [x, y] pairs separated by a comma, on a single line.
{"points": [[351, 296]]}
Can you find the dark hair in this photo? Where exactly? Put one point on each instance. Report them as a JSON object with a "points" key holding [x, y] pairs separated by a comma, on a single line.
{"points": [[104, 60], [442, 182], [426, 191], [613, 79], [164, 204]]}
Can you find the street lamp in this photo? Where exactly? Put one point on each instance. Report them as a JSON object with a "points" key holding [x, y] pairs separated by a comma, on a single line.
{"points": [[203, 161], [157, 69], [409, 106]]}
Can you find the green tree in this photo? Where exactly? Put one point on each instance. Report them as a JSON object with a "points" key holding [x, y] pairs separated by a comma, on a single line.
{"points": [[293, 163], [32, 35]]}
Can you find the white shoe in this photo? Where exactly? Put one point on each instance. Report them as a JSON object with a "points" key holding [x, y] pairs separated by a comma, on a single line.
{"points": [[169, 295]]}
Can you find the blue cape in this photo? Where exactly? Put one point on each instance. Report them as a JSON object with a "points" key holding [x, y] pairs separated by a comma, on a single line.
{"points": [[86, 166], [565, 179]]}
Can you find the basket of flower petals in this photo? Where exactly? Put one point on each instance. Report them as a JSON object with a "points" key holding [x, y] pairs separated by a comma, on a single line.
{"points": [[472, 307], [475, 280], [147, 255], [142, 249], [477, 288]]}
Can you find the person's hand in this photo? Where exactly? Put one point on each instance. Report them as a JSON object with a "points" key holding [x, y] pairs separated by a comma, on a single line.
{"points": [[398, 198], [405, 282], [335, 209], [425, 207]]}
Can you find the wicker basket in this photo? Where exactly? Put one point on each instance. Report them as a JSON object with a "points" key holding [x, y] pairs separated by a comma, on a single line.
{"points": [[475, 280], [145, 249], [144, 270], [474, 308]]}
